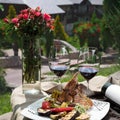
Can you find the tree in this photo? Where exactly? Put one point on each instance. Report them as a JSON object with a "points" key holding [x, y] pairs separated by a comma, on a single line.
{"points": [[94, 19], [109, 5], [11, 12], [59, 32], [112, 20]]}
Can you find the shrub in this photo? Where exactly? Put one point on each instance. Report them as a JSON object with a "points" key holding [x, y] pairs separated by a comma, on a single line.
{"points": [[11, 12], [3, 87], [88, 33], [112, 20], [59, 32], [4, 43], [1, 53]]}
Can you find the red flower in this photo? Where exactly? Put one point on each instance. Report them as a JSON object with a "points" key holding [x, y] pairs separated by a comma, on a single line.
{"points": [[98, 30], [32, 21], [24, 11], [25, 16], [6, 20], [20, 16], [15, 20], [31, 17], [38, 8], [32, 11], [47, 17], [37, 14]]}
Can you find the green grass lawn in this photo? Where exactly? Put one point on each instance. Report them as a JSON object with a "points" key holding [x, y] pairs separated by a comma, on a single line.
{"points": [[5, 105]]}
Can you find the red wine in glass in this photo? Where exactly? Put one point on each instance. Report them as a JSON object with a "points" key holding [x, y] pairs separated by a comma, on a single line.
{"points": [[88, 73], [59, 70], [59, 60]]}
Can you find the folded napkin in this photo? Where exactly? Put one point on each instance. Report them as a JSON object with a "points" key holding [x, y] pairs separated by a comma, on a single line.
{"points": [[96, 83]]}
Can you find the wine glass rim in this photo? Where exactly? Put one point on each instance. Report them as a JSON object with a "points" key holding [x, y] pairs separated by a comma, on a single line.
{"points": [[89, 67]]}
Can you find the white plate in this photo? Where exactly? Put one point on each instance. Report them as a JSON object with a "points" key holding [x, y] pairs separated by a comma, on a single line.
{"points": [[94, 112]]}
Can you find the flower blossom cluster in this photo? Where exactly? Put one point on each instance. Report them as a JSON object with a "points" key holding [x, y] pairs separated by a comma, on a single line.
{"points": [[32, 21], [88, 33], [87, 30]]}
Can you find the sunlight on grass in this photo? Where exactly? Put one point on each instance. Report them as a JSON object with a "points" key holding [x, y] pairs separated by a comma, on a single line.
{"points": [[5, 103], [109, 70]]}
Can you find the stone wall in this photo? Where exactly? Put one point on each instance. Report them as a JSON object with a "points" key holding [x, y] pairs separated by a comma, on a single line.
{"points": [[10, 62]]}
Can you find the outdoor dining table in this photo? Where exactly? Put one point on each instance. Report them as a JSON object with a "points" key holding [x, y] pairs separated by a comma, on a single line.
{"points": [[19, 101]]}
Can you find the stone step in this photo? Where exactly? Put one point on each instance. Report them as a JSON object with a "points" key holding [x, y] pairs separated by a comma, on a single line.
{"points": [[6, 116]]}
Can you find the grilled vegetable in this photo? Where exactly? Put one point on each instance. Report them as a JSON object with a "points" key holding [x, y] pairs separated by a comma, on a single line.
{"points": [[83, 116], [71, 115], [57, 116], [44, 112], [80, 108]]}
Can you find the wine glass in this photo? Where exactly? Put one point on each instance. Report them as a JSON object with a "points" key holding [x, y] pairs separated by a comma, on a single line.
{"points": [[88, 69], [88, 72], [59, 60]]}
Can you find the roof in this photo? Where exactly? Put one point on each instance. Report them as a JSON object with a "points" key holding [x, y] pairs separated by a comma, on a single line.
{"points": [[12, 1], [93, 2], [47, 6], [50, 6], [96, 2], [62, 2], [76, 1]]}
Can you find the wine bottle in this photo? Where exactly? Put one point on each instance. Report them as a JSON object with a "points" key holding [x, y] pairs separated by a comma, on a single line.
{"points": [[112, 92]]}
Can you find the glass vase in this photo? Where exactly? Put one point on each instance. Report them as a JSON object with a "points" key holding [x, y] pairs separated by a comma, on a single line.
{"points": [[31, 67]]}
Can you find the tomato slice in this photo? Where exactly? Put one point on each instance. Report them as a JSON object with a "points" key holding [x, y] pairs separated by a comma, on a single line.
{"points": [[46, 105]]}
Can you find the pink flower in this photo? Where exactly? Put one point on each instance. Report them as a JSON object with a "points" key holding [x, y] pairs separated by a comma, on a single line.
{"points": [[25, 16], [6, 20], [31, 16], [32, 21], [24, 11], [38, 8], [15, 20], [47, 17], [20, 16], [37, 14], [32, 11]]}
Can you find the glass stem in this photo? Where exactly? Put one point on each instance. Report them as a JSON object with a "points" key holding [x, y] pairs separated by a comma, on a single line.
{"points": [[60, 84], [88, 85], [87, 91]]}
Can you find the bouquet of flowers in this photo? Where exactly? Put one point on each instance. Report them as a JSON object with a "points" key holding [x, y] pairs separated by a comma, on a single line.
{"points": [[29, 26], [31, 22]]}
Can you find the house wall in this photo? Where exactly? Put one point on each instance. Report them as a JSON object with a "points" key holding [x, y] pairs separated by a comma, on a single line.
{"points": [[80, 12]]}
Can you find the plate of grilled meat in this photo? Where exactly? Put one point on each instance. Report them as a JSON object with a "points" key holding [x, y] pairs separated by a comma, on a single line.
{"points": [[68, 104]]}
